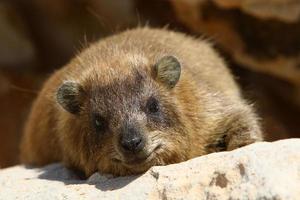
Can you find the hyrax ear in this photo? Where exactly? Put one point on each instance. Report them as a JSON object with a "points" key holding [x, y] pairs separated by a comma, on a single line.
{"points": [[69, 96], [167, 71]]}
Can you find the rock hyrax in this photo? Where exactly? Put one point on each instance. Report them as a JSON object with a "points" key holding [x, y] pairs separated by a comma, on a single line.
{"points": [[137, 99]]}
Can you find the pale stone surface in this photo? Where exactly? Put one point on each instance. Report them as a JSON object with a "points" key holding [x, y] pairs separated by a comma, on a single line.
{"points": [[258, 171]]}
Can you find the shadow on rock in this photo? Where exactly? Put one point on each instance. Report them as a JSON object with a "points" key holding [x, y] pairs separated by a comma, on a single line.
{"points": [[57, 172], [108, 182]]}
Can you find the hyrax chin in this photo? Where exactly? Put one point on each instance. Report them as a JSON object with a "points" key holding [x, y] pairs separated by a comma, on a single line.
{"points": [[141, 98]]}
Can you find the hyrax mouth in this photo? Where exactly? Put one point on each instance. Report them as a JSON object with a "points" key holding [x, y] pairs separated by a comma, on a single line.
{"points": [[140, 159]]}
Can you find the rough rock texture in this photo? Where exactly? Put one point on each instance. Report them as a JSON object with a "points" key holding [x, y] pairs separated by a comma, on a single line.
{"points": [[259, 171]]}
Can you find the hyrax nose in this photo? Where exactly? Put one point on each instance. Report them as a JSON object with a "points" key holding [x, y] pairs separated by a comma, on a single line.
{"points": [[132, 141], [132, 145]]}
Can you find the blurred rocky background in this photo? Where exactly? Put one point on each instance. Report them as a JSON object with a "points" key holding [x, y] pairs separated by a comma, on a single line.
{"points": [[259, 39]]}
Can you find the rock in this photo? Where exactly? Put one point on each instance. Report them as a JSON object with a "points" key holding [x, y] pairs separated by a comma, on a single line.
{"points": [[17, 91], [16, 49], [258, 171], [262, 36], [119, 13], [286, 10], [62, 28]]}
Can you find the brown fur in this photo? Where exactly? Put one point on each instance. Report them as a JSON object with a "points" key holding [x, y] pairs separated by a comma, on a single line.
{"points": [[203, 113]]}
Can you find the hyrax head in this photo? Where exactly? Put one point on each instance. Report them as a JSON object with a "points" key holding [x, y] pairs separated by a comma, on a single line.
{"points": [[126, 122]]}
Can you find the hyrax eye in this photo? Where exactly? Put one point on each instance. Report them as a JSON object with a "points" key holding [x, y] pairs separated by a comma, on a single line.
{"points": [[99, 123], [152, 105]]}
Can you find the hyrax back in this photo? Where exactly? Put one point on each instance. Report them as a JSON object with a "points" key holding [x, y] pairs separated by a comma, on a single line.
{"points": [[140, 98]]}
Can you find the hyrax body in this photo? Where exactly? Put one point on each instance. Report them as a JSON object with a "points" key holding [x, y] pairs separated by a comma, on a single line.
{"points": [[140, 98]]}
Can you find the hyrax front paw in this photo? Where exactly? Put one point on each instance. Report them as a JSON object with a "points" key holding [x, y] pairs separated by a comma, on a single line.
{"points": [[243, 129], [238, 129]]}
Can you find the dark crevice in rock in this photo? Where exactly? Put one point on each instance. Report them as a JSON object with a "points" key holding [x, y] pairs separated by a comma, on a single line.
{"points": [[220, 180], [242, 169], [154, 174]]}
